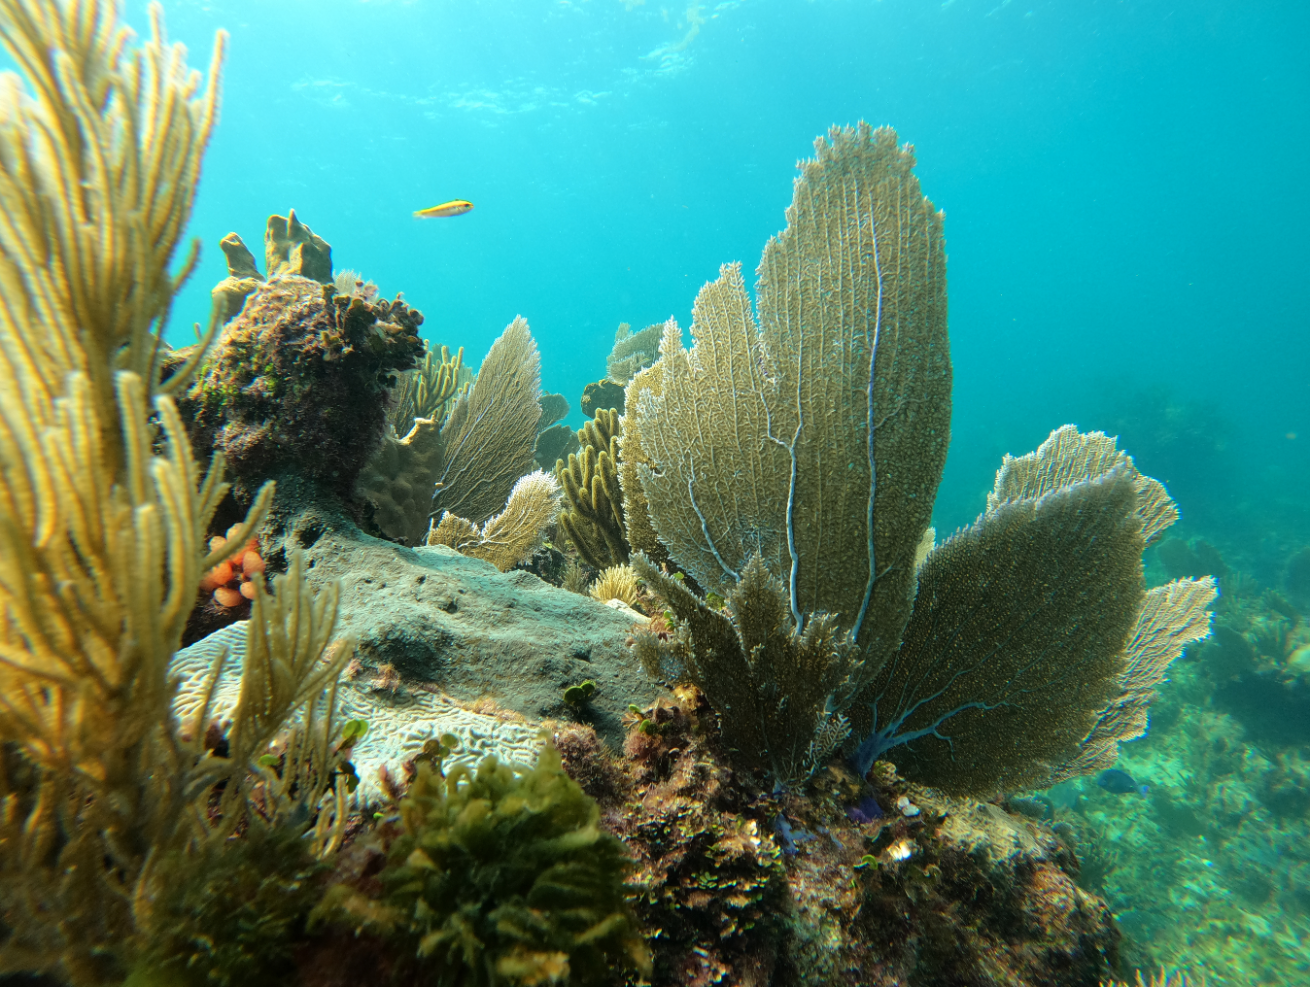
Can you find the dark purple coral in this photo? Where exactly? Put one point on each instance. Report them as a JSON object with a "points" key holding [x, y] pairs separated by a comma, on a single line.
{"points": [[298, 383]]}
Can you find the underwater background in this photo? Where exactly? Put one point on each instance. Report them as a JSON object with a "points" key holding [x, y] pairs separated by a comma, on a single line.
{"points": [[1126, 213], [1127, 207], [1124, 188]]}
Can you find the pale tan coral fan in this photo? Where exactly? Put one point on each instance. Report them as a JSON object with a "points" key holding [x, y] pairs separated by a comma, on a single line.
{"points": [[491, 431], [618, 582], [512, 535], [1048, 585], [1068, 455], [834, 407], [633, 352]]}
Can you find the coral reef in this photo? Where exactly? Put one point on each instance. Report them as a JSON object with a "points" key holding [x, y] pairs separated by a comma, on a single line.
{"points": [[1207, 870], [593, 520], [1049, 579], [554, 443], [298, 381], [555, 440], [709, 878], [475, 652], [359, 781], [554, 408], [292, 249], [874, 885], [401, 715]]}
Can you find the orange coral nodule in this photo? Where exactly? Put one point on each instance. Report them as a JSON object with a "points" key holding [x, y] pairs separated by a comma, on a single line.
{"points": [[230, 580], [227, 597], [218, 576]]}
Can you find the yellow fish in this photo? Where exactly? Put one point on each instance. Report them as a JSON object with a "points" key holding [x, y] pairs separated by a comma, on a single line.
{"points": [[452, 208]]}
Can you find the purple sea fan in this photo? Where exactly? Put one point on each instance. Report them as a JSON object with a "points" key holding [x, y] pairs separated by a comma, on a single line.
{"points": [[866, 812]]}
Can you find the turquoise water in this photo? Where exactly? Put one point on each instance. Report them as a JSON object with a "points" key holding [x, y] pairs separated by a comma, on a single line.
{"points": [[1125, 187]]}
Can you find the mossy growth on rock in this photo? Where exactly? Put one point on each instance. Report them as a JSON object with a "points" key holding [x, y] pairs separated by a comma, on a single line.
{"points": [[499, 875], [231, 914], [298, 383]]}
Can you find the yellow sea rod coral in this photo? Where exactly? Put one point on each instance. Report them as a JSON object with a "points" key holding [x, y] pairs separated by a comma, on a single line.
{"points": [[618, 582], [103, 514]]}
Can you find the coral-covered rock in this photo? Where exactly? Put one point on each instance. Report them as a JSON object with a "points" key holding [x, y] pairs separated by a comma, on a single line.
{"points": [[711, 889], [297, 383], [453, 624], [866, 884], [935, 891]]}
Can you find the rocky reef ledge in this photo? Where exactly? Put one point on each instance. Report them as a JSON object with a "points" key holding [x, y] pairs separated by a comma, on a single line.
{"points": [[445, 643], [848, 881]]}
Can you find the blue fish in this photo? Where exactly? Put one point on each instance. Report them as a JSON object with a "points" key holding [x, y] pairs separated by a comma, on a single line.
{"points": [[1120, 782]]}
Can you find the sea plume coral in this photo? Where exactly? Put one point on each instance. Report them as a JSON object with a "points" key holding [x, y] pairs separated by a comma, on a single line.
{"points": [[103, 512]]}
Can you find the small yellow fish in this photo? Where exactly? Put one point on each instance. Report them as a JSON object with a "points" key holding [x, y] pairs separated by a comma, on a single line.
{"points": [[452, 208]]}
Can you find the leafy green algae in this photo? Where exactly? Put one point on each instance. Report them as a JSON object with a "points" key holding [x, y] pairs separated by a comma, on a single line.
{"points": [[500, 876]]}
